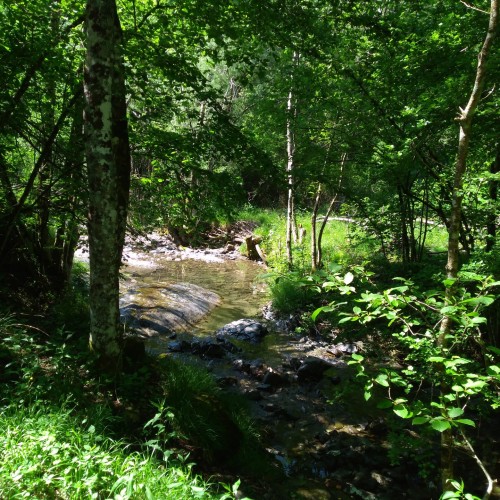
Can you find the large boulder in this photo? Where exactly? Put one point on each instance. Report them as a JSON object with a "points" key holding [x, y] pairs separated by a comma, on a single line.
{"points": [[165, 309], [243, 329]]}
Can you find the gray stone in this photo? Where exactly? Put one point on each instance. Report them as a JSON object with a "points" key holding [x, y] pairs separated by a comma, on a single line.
{"points": [[312, 369], [274, 379], [208, 348], [182, 306], [243, 329], [179, 346]]}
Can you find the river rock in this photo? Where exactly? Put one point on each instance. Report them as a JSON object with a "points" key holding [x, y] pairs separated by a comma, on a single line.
{"points": [[166, 309], [179, 346], [208, 348], [243, 329], [312, 369], [274, 378]]}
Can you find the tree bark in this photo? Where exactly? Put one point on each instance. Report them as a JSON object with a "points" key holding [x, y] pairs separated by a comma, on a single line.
{"points": [[291, 232], [108, 163], [465, 124]]}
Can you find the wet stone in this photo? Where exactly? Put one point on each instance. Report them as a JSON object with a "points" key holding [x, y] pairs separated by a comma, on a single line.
{"points": [[208, 348], [179, 346], [243, 329], [274, 378], [312, 369], [227, 381]]}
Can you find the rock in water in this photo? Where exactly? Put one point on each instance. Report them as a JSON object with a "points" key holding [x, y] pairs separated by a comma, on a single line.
{"points": [[175, 308], [243, 329]]}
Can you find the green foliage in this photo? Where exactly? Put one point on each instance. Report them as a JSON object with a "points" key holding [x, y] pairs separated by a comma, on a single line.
{"points": [[465, 374], [458, 492], [61, 434], [48, 451], [213, 420], [291, 292], [70, 308]]}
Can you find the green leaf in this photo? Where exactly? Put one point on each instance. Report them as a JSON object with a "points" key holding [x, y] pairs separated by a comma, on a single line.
{"points": [[436, 359], [420, 420], [455, 412], [450, 494], [402, 411], [316, 313], [440, 425], [493, 370], [466, 421], [449, 310], [357, 357], [480, 300], [348, 278], [384, 404], [382, 380], [345, 320]]}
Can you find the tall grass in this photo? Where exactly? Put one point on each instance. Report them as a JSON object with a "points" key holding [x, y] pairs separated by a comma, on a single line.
{"points": [[53, 452], [343, 242], [85, 447]]}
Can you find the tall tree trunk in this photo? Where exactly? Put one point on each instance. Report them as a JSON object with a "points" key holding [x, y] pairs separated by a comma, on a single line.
{"points": [[465, 124], [108, 163], [291, 233]]}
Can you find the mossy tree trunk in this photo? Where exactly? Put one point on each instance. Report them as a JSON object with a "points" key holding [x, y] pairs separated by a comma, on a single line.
{"points": [[108, 163]]}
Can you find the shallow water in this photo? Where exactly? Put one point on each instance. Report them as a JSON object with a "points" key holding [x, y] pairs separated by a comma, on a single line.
{"points": [[237, 283]]}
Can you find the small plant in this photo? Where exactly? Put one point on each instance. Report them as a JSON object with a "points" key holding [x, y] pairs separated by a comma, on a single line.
{"points": [[467, 371]]}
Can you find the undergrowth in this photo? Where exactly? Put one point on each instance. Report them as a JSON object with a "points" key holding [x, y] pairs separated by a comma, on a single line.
{"points": [[67, 433]]}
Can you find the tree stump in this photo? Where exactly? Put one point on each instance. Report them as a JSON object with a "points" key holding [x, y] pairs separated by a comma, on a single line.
{"points": [[254, 251]]}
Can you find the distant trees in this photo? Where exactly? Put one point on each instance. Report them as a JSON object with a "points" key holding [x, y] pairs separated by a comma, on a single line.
{"points": [[372, 105]]}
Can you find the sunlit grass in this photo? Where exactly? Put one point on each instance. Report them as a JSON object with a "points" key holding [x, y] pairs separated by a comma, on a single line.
{"points": [[342, 242], [51, 452]]}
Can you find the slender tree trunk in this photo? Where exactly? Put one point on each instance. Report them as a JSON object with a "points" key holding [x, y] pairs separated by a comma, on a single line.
{"points": [[319, 250], [405, 242], [465, 124], [108, 163], [291, 233], [491, 225], [289, 169], [314, 217]]}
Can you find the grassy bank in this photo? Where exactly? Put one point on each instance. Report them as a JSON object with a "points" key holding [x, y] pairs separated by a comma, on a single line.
{"points": [[67, 433]]}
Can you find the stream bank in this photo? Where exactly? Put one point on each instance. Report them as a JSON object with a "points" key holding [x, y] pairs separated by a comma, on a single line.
{"points": [[314, 424]]}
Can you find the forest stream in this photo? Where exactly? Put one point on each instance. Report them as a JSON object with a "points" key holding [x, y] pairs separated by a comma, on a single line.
{"points": [[326, 444]]}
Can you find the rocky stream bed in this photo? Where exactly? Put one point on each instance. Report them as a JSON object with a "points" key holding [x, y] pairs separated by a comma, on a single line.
{"points": [[209, 305]]}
